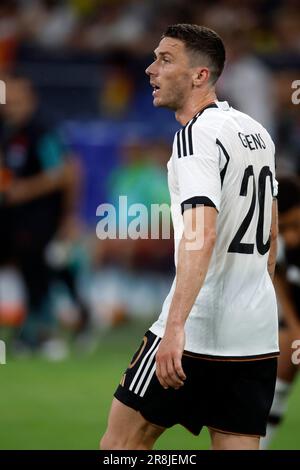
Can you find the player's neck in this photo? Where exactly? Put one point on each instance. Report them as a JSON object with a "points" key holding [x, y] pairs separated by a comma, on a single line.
{"points": [[193, 106]]}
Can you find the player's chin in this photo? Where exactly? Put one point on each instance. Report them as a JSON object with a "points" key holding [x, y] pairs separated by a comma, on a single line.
{"points": [[157, 102]]}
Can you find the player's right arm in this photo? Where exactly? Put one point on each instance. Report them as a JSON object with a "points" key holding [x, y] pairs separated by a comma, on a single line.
{"points": [[199, 183]]}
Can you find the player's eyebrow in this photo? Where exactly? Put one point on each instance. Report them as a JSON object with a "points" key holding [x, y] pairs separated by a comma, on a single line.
{"points": [[162, 54]]}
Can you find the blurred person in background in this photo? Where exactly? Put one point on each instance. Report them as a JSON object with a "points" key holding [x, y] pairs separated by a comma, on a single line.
{"points": [[143, 263], [116, 25], [39, 185], [287, 284], [287, 122], [286, 27], [49, 24], [117, 89]]}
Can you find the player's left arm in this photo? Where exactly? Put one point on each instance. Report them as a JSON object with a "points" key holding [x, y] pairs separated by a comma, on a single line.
{"points": [[195, 250]]}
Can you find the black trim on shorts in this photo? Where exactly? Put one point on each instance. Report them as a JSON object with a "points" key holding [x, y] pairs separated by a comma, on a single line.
{"points": [[208, 357], [229, 396]]}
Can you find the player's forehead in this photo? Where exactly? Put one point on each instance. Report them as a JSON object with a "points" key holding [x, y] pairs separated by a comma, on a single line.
{"points": [[170, 46]]}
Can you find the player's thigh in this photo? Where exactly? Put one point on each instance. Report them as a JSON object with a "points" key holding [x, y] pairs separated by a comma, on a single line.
{"points": [[222, 441], [127, 429], [286, 369]]}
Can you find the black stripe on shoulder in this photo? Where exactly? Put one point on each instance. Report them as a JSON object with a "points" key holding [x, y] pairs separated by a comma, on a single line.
{"points": [[178, 144], [226, 155], [188, 128], [189, 131], [209, 106], [183, 143], [193, 202]]}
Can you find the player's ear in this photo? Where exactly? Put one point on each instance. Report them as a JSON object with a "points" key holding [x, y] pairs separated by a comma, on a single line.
{"points": [[200, 76]]}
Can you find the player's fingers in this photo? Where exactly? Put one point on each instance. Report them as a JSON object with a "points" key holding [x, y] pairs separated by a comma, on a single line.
{"points": [[178, 368], [161, 373], [173, 380]]}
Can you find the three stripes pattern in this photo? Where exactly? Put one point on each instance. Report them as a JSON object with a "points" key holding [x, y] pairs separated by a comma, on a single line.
{"points": [[145, 372], [184, 137]]}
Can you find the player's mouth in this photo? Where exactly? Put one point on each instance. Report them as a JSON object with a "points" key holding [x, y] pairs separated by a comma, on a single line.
{"points": [[156, 89]]}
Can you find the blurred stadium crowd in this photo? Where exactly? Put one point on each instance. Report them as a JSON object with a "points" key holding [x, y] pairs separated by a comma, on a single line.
{"points": [[79, 129]]}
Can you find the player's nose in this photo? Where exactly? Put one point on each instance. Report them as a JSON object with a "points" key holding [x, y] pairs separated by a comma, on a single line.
{"points": [[151, 69]]}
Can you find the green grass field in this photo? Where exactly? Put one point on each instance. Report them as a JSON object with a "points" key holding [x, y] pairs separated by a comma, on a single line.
{"points": [[64, 406]]}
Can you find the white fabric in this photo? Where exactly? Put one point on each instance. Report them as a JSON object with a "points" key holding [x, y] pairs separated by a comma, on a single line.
{"points": [[235, 313]]}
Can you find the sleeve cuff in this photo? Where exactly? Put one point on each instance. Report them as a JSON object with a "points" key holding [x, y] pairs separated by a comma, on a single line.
{"points": [[196, 201]]}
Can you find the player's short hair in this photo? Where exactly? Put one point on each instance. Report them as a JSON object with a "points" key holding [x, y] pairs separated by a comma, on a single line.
{"points": [[203, 43], [288, 194]]}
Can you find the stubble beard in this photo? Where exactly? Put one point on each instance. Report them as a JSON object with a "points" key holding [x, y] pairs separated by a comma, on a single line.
{"points": [[174, 100]]}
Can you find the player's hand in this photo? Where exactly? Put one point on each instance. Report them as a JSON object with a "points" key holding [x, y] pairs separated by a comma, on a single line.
{"points": [[168, 359]]}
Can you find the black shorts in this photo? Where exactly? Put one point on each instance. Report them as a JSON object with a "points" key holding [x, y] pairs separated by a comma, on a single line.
{"points": [[228, 396]]}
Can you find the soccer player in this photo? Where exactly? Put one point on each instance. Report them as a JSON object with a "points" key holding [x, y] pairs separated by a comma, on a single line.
{"points": [[287, 283], [211, 357]]}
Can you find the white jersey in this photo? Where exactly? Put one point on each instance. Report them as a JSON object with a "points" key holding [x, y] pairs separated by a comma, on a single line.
{"points": [[225, 159]]}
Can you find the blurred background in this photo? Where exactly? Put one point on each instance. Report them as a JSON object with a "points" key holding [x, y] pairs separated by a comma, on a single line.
{"points": [[78, 129]]}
